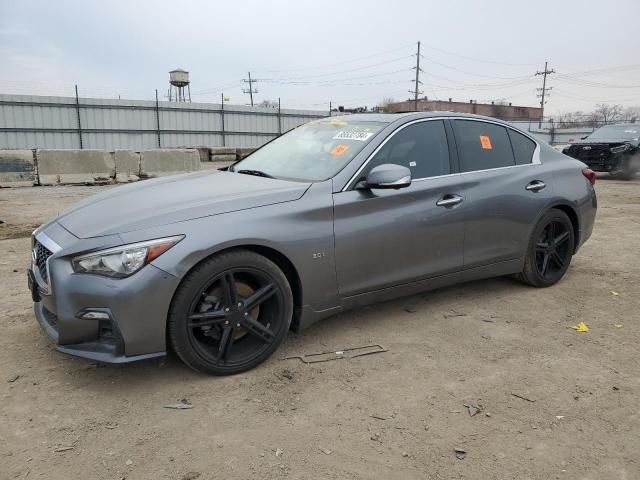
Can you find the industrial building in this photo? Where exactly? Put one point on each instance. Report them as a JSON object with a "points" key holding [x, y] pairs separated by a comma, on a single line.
{"points": [[501, 111]]}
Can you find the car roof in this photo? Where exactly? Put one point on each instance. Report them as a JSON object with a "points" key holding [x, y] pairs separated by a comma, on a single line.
{"points": [[392, 117]]}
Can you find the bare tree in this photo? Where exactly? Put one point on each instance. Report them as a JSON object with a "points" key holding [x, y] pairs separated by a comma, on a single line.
{"points": [[384, 104], [573, 119], [632, 114], [605, 113], [268, 103]]}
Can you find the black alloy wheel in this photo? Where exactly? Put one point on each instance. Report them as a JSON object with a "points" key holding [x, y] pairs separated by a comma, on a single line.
{"points": [[550, 250], [231, 313]]}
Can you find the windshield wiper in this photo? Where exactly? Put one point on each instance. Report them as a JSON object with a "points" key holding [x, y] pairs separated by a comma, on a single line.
{"points": [[257, 173]]}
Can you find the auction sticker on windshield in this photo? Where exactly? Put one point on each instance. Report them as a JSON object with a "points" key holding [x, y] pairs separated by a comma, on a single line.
{"points": [[350, 135], [339, 150]]}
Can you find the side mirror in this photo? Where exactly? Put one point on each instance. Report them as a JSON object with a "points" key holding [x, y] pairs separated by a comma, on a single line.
{"points": [[388, 175]]}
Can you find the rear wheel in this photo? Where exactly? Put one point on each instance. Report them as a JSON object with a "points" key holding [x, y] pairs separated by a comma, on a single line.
{"points": [[230, 313], [550, 250]]}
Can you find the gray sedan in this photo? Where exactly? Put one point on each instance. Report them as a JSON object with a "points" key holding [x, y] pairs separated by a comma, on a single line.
{"points": [[336, 214]]}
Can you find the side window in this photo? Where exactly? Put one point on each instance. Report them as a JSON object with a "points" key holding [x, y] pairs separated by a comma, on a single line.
{"points": [[523, 147], [482, 145], [421, 147]]}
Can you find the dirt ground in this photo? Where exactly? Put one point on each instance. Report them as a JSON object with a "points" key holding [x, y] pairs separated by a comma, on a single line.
{"points": [[555, 404]]}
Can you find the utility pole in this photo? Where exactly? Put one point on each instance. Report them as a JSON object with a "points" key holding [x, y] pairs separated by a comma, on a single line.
{"points": [[78, 118], [543, 90], [416, 92], [251, 90]]}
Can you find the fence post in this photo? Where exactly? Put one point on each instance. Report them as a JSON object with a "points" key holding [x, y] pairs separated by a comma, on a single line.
{"points": [[158, 119], [224, 143], [78, 117], [279, 119]]}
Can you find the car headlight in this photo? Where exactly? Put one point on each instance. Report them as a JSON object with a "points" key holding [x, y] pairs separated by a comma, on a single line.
{"points": [[124, 260], [620, 148]]}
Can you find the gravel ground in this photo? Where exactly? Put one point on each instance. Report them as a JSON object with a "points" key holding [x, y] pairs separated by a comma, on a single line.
{"points": [[553, 403]]}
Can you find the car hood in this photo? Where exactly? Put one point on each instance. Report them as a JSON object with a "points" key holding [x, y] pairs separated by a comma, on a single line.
{"points": [[605, 141], [166, 200]]}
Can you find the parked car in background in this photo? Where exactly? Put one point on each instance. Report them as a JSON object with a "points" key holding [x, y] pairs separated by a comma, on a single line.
{"points": [[612, 148], [336, 214]]}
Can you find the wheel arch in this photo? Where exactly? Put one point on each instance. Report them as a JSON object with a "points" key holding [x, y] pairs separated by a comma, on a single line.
{"points": [[575, 222], [569, 211], [290, 271], [277, 257]]}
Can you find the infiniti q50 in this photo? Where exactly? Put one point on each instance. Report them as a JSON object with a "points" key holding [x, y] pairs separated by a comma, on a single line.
{"points": [[335, 214]]}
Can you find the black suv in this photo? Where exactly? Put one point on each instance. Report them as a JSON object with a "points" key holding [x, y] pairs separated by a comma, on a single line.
{"points": [[612, 148]]}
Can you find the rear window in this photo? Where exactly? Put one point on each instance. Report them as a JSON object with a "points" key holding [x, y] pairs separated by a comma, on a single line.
{"points": [[482, 145], [523, 147]]}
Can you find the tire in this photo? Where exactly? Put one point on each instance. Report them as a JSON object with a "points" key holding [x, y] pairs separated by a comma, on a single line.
{"points": [[230, 313], [622, 175], [628, 170], [552, 238]]}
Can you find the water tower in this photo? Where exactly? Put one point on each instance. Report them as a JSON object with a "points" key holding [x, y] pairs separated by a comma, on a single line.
{"points": [[178, 80]]}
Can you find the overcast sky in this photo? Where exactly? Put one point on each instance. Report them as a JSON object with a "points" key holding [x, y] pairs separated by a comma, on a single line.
{"points": [[308, 52]]}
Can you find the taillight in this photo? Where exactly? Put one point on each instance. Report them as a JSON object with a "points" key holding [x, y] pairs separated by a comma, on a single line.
{"points": [[589, 175]]}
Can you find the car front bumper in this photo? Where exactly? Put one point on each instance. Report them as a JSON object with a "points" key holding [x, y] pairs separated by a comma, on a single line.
{"points": [[128, 319]]}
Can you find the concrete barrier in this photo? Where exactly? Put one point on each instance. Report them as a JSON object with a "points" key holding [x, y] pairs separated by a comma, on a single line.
{"points": [[223, 154], [17, 168], [161, 162], [243, 152], [127, 166], [204, 152], [223, 150], [63, 167]]}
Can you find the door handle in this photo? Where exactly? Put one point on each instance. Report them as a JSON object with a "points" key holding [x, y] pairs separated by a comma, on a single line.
{"points": [[535, 186], [449, 200]]}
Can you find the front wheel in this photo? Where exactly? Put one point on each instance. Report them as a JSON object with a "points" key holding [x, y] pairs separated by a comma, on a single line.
{"points": [[628, 170], [230, 313], [549, 251]]}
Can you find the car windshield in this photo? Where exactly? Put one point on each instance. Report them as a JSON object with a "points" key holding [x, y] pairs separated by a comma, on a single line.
{"points": [[616, 132], [311, 152]]}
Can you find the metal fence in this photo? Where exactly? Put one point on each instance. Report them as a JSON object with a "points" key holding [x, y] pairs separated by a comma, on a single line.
{"points": [[549, 132], [91, 123]]}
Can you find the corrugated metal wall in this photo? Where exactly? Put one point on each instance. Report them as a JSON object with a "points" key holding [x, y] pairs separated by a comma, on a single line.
{"points": [[57, 122]]}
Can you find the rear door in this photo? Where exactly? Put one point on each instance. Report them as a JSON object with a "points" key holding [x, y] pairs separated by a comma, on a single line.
{"points": [[390, 237], [505, 189]]}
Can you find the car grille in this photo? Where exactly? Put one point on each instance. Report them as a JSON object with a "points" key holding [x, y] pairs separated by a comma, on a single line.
{"points": [[594, 153], [42, 254]]}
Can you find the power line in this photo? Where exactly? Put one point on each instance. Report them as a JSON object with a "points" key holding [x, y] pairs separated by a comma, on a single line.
{"points": [[342, 62], [480, 86], [473, 59], [219, 87], [473, 73], [589, 83], [345, 71], [330, 81]]}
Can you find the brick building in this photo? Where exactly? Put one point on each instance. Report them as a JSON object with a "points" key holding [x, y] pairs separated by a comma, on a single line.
{"points": [[503, 112]]}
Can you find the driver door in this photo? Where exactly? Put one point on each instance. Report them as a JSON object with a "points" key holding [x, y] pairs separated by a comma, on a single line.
{"points": [[386, 237]]}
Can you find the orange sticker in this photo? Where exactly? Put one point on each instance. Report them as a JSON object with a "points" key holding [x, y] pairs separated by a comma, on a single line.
{"points": [[339, 150], [485, 142]]}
